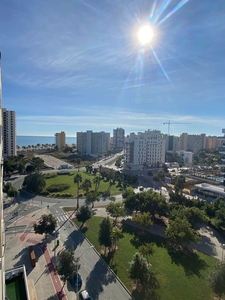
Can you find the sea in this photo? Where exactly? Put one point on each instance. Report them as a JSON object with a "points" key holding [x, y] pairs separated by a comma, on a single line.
{"points": [[25, 140]]}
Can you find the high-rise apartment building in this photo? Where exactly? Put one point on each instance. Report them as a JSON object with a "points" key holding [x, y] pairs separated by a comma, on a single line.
{"points": [[60, 140], [172, 143], [93, 143], [118, 138], [192, 142], [145, 148], [2, 229], [9, 132]]}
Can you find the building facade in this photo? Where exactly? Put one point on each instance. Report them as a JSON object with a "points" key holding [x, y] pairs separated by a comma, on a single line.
{"points": [[146, 148], [192, 142], [172, 143], [186, 157], [118, 139], [60, 140], [9, 132], [2, 226], [93, 143]]}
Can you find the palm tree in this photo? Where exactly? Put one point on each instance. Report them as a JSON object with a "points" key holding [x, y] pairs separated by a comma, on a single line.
{"points": [[78, 161], [96, 182], [78, 179], [86, 185]]}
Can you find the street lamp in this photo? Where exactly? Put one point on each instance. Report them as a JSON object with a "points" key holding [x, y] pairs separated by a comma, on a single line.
{"points": [[77, 259], [223, 247]]}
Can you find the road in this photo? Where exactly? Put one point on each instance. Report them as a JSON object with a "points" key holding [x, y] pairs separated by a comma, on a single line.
{"points": [[98, 279]]}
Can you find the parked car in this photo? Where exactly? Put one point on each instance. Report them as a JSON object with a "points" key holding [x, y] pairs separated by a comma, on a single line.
{"points": [[76, 282], [83, 295]]}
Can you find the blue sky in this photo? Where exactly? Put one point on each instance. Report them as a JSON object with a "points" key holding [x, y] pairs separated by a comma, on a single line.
{"points": [[78, 65]]}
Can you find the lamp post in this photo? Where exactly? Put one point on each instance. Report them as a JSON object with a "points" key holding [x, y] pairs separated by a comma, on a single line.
{"points": [[223, 247], [77, 259]]}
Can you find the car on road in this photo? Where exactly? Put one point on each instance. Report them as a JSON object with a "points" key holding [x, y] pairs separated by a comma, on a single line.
{"points": [[76, 281], [83, 295]]}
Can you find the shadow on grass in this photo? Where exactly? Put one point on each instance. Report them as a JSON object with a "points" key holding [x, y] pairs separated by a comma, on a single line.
{"points": [[141, 237], [148, 291], [188, 259]]}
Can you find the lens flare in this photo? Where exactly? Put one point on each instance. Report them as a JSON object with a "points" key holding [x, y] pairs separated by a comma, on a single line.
{"points": [[145, 34]]}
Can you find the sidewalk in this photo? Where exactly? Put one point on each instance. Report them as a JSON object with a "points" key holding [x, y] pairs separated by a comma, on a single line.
{"points": [[46, 282]]}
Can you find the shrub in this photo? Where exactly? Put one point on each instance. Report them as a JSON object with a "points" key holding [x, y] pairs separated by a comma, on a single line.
{"points": [[58, 187], [63, 173], [50, 175]]}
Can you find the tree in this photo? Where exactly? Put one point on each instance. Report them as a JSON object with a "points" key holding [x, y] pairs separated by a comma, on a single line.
{"points": [[139, 270], [78, 161], [143, 219], [180, 231], [78, 180], [96, 182], [66, 264], [35, 182], [86, 185], [46, 224], [13, 192], [116, 235], [179, 184], [216, 279], [92, 197], [147, 250], [84, 214], [105, 233], [115, 210]]}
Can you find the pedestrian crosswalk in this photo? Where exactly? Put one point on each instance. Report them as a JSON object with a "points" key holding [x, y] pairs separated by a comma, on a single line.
{"points": [[63, 217]]}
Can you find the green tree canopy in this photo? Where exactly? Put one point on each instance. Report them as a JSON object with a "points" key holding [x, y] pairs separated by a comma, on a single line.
{"points": [[66, 264], [216, 279], [139, 270], [35, 182], [84, 214], [180, 231], [115, 210], [143, 219], [105, 233], [46, 224]]}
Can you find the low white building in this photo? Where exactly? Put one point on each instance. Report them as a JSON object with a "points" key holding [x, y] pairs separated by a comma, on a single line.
{"points": [[186, 157]]}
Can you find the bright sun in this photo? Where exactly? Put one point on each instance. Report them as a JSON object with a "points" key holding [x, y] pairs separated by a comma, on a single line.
{"points": [[145, 34]]}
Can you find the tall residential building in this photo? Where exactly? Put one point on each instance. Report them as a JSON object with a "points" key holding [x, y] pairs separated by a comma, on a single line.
{"points": [[93, 143], [146, 148], [192, 142], [118, 138], [172, 143], [9, 132], [60, 140], [2, 227], [213, 142]]}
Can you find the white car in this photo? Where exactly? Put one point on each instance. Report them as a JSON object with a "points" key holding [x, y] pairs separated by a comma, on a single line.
{"points": [[83, 295]]}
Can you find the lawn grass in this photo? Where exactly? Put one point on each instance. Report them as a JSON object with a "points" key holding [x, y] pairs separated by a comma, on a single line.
{"points": [[178, 275], [68, 179]]}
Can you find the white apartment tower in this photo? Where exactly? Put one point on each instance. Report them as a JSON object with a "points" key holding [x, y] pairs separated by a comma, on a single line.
{"points": [[9, 132], [60, 140], [118, 138], [93, 143], [2, 227], [146, 148]]}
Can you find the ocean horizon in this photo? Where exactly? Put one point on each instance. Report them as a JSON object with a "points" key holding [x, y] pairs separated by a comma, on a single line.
{"points": [[25, 140]]}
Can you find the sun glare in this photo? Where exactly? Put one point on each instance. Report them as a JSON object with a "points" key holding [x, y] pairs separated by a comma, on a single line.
{"points": [[145, 34]]}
